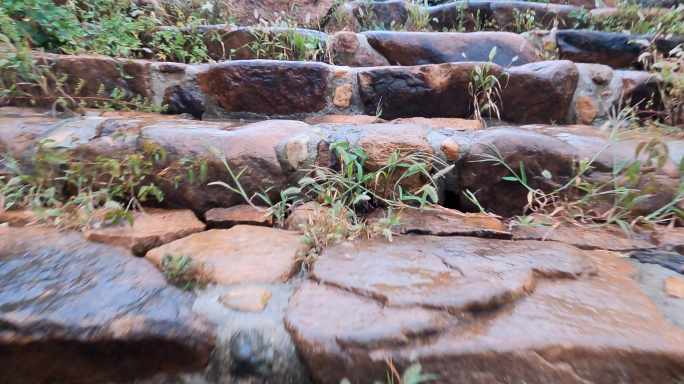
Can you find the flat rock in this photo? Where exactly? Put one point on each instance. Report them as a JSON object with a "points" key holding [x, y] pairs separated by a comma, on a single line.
{"points": [[72, 311], [607, 238], [242, 254], [266, 87], [372, 302], [225, 218], [459, 274], [417, 48], [250, 298], [440, 221], [151, 229]]}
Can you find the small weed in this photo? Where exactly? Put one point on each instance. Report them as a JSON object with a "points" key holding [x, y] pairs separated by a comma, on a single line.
{"points": [[485, 90], [418, 16], [524, 21], [182, 271]]}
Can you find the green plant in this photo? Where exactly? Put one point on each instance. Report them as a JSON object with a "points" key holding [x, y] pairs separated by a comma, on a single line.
{"points": [[412, 375], [40, 22], [418, 16], [183, 272], [524, 21], [485, 90], [365, 14], [286, 43], [68, 190]]}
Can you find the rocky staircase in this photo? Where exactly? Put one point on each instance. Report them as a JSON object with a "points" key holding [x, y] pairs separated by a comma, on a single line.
{"points": [[470, 298]]}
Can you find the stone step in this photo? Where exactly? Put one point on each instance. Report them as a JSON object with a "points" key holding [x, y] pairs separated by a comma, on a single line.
{"points": [[555, 91], [278, 153]]}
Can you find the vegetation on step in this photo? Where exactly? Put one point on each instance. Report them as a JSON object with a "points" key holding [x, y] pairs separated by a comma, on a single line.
{"points": [[348, 190], [68, 190]]}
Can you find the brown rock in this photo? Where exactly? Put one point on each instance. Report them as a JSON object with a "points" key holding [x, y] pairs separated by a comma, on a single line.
{"points": [[586, 110], [450, 149], [377, 301], [21, 127], [608, 238], [225, 218], [19, 218], [250, 147], [346, 42], [251, 298], [242, 254], [131, 77], [272, 88], [416, 48], [438, 221], [674, 288], [64, 300], [342, 96], [468, 125], [151, 229], [343, 119], [383, 140]]}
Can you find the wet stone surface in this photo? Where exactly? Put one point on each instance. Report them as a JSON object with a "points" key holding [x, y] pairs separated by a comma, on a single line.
{"points": [[568, 313], [72, 311]]}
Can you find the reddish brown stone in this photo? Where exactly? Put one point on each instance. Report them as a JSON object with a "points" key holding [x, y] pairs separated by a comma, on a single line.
{"points": [[586, 110], [242, 254], [380, 301], [416, 48], [438, 221], [450, 148], [271, 88], [443, 123], [19, 218], [78, 312], [224, 218], [251, 298], [150, 229]]}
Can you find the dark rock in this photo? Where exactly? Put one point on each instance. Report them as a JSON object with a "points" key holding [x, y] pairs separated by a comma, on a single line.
{"points": [[181, 99], [249, 354], [539, 92], [78, 312], [172, 67], [533, 93], [534, 151], [417, 48], [640, 89], [610, 48], [469, 15], [268, 87], [503, 14], [380, 13], [374, 301], [669, 260]]}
